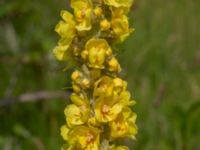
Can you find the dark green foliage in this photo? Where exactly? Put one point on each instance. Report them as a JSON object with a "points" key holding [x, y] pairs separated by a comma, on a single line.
{"points": [[160, 60]]}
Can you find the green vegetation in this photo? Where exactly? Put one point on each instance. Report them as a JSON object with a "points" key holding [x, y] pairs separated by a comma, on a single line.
{"points": [[161, 62]]}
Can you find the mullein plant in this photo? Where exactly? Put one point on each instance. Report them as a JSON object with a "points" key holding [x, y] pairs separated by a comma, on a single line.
{"points": [[100, 114]]}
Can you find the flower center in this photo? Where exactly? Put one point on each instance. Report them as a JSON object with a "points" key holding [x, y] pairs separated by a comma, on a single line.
{"points": [[82, 108], [81, 15], [121, 127], [103, 87], [105, 109], [89, 138]]}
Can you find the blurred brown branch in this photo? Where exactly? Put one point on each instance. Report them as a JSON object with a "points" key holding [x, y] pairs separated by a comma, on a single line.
{"points": [[34, 97]]}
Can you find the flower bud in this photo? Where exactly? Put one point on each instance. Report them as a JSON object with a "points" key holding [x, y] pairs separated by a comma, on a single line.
{"points": [[84, 54], [85, 83], [109, 52], [75, 75], [114, 65], [119, 85], [98, 11], [76, 88], [105, 25], [93, 121]]}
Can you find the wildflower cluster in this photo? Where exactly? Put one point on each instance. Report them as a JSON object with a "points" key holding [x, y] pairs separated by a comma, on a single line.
{"points": [[100, 112]]}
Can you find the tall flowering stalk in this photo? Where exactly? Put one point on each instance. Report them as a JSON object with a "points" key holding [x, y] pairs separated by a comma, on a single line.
{"points": [[100, 113]]}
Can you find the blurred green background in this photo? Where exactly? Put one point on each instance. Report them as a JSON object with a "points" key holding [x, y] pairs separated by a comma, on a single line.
{"points": [[161, 62]]}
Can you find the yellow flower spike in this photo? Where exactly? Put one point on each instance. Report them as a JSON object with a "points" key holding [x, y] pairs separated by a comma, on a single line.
{"points": [[105, 25], [97, 49], [85, 138], [100, 112], [114, 65], [106, 109], [82, 11], [98, 11], [119, 3], [124, 125]]}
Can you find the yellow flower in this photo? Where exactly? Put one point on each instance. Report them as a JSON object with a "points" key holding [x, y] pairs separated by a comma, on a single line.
{"points": [[119, 85], [78, 112], [84, 138], [119, 3], [115, 88], [120, 23], [104, 86], [61, 52], [120, 27], [107, 109], [82, 11], [97, 49], [64, 132], [108, 86], [66, 29], [124, 99], [124, 125]]}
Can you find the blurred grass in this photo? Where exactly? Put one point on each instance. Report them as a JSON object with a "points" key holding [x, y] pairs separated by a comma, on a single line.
{"points": [[161, 62]]}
